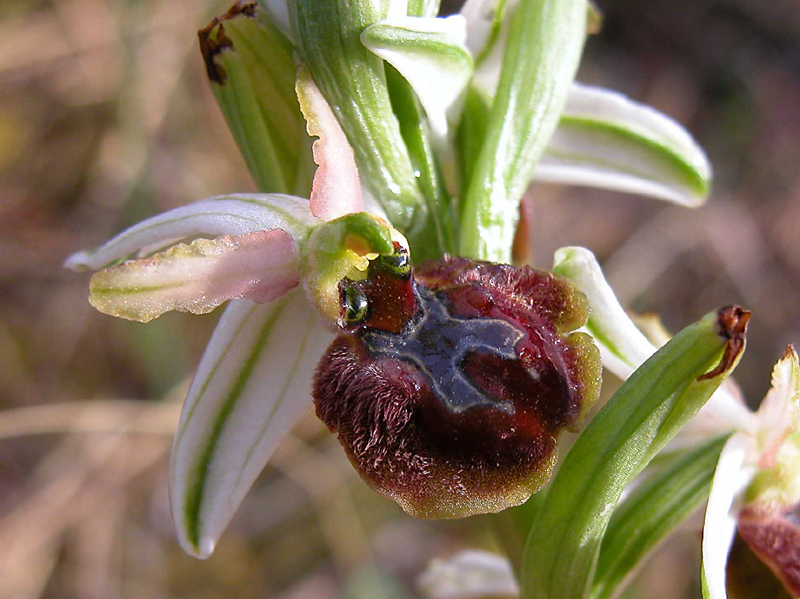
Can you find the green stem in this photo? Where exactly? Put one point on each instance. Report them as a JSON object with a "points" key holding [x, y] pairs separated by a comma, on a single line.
{"points": [[542, 52]]}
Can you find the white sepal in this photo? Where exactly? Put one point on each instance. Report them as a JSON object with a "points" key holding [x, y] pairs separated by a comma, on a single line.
{"points": [[731, 477], [607, 140], [622, 345], [235, 214], [469, 574], [432, 56], [253, 384]]}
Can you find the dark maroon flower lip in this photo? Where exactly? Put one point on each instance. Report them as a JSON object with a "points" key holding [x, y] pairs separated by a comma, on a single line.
{"points": [[774, 537], [449, 393], [436, 343]]}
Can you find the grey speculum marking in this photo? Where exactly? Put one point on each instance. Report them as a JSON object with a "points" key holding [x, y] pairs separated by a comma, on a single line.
{"points": [[437, 343]]}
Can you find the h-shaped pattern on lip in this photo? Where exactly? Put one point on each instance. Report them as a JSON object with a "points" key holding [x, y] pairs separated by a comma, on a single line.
{"points": [[437, 343]]}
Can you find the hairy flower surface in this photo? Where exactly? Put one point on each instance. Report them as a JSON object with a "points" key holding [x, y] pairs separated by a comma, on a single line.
{"points": [[451, 403]]}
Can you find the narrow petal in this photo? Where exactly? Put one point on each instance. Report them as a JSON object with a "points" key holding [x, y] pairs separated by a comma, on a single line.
{"points": [[731, 477], [622, 345], [431, 54], [469, 574], [222, 215], [198, 277], [779, 412], [253, 384], [607, 140], [336, 190]]}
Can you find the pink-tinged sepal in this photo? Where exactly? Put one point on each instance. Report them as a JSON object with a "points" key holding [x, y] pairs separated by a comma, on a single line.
{"points": [[458, 412], [336, 189], [199, 276]]}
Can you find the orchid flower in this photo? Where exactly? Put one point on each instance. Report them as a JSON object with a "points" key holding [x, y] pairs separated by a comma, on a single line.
{"points": [[447, 380]]}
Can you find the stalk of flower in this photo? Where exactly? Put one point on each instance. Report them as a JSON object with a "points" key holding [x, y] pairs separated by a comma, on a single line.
{"points": [[447, 380]]}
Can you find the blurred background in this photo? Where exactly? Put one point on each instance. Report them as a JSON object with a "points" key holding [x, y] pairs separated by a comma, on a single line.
{"points": [[105, 118]]}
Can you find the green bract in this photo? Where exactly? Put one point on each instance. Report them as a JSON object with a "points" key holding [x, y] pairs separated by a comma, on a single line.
{"points": [[664, 393]]}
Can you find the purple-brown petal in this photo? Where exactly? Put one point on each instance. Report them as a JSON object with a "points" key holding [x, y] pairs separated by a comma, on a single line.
{"points": [[775, 539], [459, 412]]}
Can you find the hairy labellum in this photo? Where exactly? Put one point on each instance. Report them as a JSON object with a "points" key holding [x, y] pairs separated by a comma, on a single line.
{"points": [[450, 386], [774, 537]]}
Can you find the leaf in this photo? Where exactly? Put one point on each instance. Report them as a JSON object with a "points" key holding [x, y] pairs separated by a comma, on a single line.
{"points": [[665, 392], [352, 80], [235, 214], [651, 512], [252, 73], [469, 574], [512, 526], [198, 277], [336, 190], [541, 56], [730, 479], [606, 140], [253, 384], [430, 54], [622, 345]]}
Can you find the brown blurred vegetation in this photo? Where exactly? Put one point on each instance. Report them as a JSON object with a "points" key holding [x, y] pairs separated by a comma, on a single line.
{"points": [[105, 118]]}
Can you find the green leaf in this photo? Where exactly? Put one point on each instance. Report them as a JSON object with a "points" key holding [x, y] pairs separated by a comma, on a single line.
{"points": [[664, 393], [352, 80], [512, 526], [541, 56], [252, 74], [470, 134], [651, 512]]}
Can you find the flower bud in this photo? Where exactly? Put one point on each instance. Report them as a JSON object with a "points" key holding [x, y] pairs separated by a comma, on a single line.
{"points": [[450, 385]]}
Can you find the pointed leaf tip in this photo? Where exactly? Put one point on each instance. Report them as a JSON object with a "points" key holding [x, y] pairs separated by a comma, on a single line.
{"points": [[732, 322]]}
